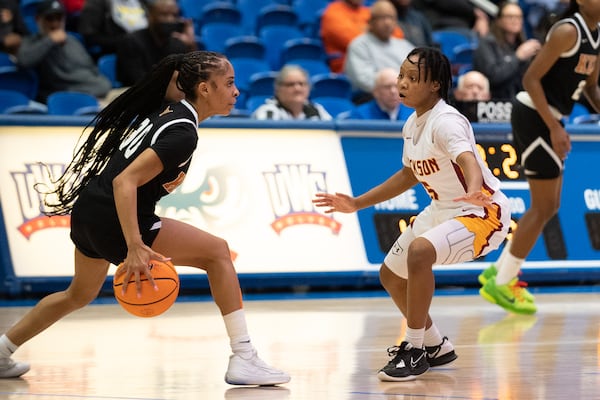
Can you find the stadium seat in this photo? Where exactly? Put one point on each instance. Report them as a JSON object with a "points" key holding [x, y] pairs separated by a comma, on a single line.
{"points": [[253, 102], [330, 85], [107, 64], [250, 10], [216, 34], [334, 105], [245, 68], [309, 12], [302, 48], [448, 39], [21, 80], [245, 46], [28, 11], [262, 83], [220, 11], [72, 103], [13, 102], [276, 36], [6, 62], [276, 14]]}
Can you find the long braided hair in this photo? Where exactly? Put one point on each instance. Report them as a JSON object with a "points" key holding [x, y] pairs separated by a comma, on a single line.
{"points": [[116, 121], [436, 67]]}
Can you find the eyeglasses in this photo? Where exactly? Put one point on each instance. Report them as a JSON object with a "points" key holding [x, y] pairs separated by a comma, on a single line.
{"points": [[292, 84], [512, 16]]}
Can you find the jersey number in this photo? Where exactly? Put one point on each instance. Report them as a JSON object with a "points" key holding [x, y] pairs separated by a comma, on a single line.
{"points": [[133, 141]]}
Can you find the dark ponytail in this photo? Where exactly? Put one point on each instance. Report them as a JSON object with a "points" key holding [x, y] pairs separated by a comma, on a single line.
{"points": [[114, 123]]}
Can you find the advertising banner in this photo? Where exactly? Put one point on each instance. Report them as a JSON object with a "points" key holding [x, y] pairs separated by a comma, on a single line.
{"points": [[252, 187]]}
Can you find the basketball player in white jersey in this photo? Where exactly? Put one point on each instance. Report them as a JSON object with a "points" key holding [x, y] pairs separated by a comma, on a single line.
{"points": [[467, 218]]}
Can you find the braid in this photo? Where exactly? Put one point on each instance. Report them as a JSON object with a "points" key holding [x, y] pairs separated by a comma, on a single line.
{"points": [[435, 66], [114, 123]]}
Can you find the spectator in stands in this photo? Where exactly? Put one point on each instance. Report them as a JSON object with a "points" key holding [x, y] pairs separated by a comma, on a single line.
{"points": [[375, 49], [103, 23], [386, 100], [472, 86], [342, 21], [12, 26], [290, 102], [504, 54], [454, 14], [60, 60], [167, 33], [414, 24]]}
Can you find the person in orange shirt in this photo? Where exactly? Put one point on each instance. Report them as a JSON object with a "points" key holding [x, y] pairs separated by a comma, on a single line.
{"points": [[342, 21]]}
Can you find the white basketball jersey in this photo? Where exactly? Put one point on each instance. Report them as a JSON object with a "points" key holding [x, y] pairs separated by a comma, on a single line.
{"points": [[432, 142]]}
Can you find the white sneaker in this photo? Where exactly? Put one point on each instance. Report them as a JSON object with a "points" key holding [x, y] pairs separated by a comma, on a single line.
{"points": [[253, 371], [11, 369]]}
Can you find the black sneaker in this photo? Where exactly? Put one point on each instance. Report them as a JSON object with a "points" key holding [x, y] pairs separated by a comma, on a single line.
{"points": [[406, 364], [441, 354]]}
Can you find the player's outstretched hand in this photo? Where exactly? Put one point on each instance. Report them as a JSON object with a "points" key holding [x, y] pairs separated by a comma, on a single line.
{"points": [[336, 202], [476, 198]]}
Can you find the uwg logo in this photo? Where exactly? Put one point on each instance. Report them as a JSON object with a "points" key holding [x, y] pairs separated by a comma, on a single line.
{"points": [[291, 188], [31, 202]]}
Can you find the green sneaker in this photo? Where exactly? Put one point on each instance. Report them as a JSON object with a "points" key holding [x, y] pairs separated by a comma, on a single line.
{"points": [[487, 273], [509, 296], [492, 271]]}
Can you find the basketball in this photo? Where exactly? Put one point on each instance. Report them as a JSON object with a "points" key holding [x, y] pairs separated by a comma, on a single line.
{"points": [[151, 302]]}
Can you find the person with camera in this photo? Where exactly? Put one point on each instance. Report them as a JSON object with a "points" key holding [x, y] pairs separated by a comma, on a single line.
{"points": [[167, 33]]}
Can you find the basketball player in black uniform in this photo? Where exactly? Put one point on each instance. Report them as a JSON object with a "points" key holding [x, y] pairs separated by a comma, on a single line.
{"points": [[138, 151], [565, 69]]}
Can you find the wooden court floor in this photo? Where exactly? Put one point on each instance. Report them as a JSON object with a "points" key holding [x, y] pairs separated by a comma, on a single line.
{"points": [[331, 347]]}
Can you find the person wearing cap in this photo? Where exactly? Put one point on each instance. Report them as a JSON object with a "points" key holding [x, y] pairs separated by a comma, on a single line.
{"points": [[62, 63]]}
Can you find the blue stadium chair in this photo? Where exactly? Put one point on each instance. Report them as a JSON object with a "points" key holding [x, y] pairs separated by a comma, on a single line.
{"points": [[13, 102], [28, 11], [448, 39], [220, 11], [276, 36], [72, 103], [262, 83], [253, 102], [309, 12], [107, 64], [21, 80], [250, 10], [276, 14], [216, 34], [302, 48], [7, 63], [330, 85], [334, 105], [245, 46], [245, 68], [193, 8]]}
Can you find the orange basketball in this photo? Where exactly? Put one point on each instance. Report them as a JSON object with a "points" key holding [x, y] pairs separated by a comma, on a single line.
{"points": [[152, 302]]}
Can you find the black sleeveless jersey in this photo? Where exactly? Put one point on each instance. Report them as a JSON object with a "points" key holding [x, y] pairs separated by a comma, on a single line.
{"points": [[172, 134], [564, 81]]}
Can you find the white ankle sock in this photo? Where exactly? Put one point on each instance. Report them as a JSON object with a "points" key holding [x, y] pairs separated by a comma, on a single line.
{"points": [[235, 324], [432, 336], [415, 337], [509, 268], [7, 348]]}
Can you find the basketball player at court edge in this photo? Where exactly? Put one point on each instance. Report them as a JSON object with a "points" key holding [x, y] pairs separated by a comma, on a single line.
{"points": [[467, 218], [565, 68], [138, 151]]}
